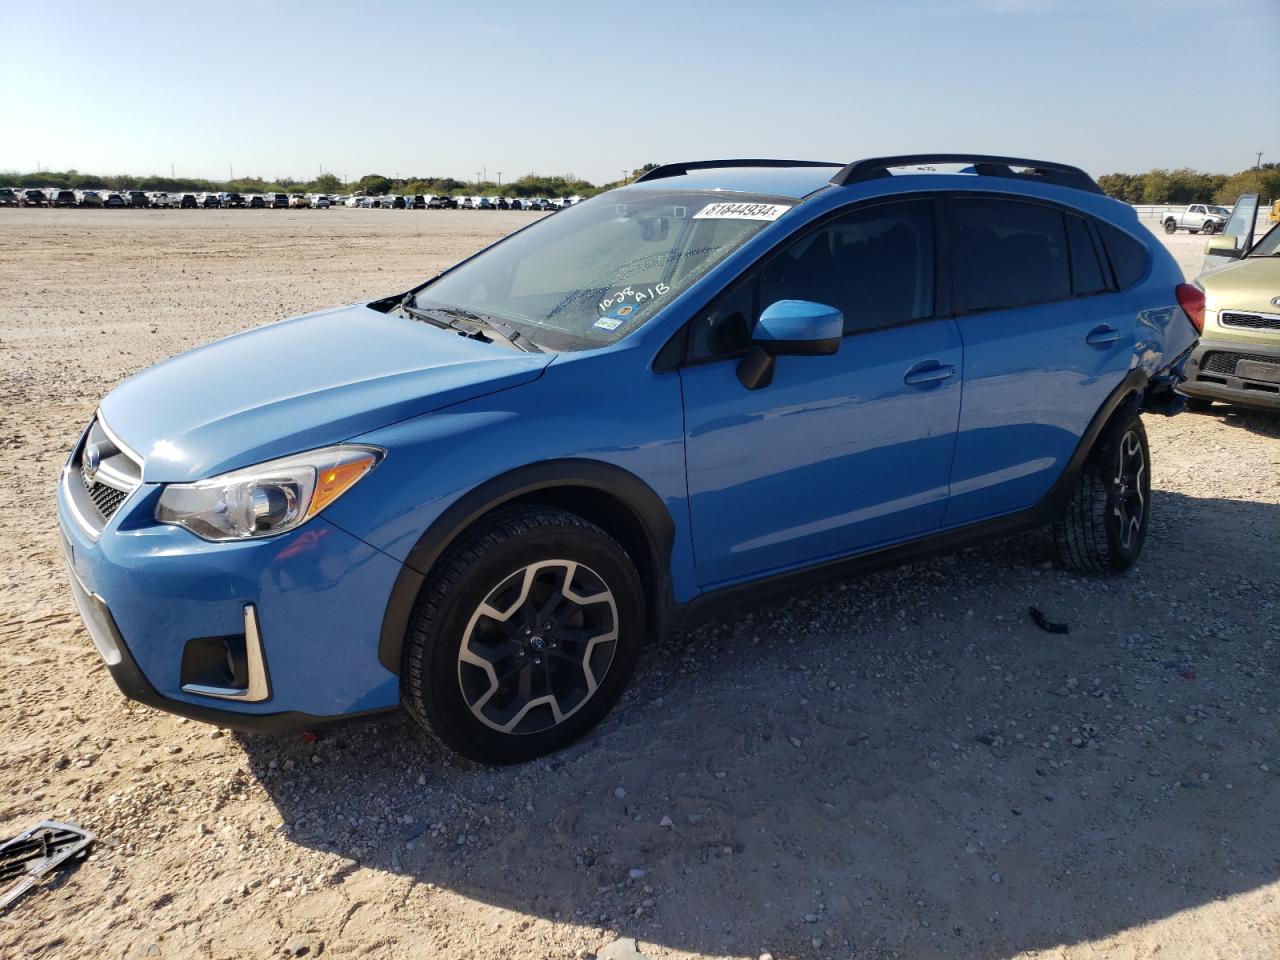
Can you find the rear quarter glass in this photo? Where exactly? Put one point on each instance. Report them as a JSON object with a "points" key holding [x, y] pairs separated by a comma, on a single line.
{"points": [[1129, 259]]}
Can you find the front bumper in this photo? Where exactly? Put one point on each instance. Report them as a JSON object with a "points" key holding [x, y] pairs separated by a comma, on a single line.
{"points": [[1214, 373], [147, 590]]}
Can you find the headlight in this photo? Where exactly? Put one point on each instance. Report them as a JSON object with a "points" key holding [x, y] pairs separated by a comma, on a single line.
{"points": [[269, 498]]}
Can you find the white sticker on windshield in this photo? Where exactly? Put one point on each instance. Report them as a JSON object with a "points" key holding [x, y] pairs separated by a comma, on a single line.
{"points": [[742, 211]]}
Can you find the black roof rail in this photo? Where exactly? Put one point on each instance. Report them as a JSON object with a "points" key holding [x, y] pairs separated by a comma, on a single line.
{"points": [[1040, 171], [680, 169]]}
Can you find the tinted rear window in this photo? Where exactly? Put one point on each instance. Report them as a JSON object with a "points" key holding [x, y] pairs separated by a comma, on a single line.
{"points": [[1128, 257], [1087, 275], [1007, 253]]}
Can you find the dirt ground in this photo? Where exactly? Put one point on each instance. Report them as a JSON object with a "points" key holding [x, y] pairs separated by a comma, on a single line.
{"points": [[902, 765]]}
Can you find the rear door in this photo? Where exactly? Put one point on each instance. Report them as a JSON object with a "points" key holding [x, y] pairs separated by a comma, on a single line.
{"points": [[839, 453], [1046, 339]]}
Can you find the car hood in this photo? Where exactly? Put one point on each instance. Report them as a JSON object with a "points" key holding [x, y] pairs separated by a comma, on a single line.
{"points": [[300, 384], [1248, 284]]}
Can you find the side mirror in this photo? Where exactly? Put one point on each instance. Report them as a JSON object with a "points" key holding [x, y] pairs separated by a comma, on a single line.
{"points": [[1223, 246], [789, 328]]}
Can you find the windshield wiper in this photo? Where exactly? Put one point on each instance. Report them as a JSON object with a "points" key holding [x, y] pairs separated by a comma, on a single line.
{"points": [[444, 317]]}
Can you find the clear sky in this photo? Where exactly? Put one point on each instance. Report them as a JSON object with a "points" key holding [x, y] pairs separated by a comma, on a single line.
{"points": [[281, 89]]}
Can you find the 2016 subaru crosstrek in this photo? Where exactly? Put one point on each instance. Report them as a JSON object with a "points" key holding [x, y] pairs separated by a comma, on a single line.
{"points": [[478, 498]]}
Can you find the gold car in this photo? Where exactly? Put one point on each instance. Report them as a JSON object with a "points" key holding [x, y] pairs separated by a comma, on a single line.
{"points": [[1238, 358]]}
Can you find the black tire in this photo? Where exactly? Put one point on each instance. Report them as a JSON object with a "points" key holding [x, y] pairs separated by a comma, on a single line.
{"points": [[1105, 525], [1171, 226], [1199, 404], [460, 703], [1209, 227]]}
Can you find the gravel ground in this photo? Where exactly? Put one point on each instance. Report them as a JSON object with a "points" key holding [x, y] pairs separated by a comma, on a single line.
{"points": [[901, 765]]}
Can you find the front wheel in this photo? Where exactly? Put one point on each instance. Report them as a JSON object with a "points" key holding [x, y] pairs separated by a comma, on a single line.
{"points": [[525, 636], [1210, 227], [1105, 525]]}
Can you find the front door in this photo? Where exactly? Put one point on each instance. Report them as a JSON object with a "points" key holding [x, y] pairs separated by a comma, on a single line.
{"points": [[841, 453], [1240, 226]]}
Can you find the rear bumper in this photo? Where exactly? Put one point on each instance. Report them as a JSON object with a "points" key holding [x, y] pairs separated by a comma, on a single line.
{"points": [[1213, 374]]}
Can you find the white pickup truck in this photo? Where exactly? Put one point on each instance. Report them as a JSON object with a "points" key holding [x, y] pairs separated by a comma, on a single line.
{"points": [[1197, 218]]}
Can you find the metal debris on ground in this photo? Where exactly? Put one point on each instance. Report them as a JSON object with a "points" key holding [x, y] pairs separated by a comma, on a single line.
{"points": [[1044, 623], [38, 851]]}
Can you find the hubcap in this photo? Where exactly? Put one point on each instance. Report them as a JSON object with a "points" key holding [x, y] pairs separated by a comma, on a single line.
{"points": [[538, 647], [1130, 503]]}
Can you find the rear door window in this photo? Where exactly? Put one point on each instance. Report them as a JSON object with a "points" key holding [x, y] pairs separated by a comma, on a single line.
{"points": [[1087, 276], [1007, 253]]}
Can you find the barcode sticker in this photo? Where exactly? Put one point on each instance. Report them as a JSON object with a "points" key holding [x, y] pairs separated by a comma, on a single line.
{"points": [[742, 211]]}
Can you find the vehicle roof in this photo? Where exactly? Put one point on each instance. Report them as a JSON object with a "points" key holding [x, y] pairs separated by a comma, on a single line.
{"points": [[799, 179]]}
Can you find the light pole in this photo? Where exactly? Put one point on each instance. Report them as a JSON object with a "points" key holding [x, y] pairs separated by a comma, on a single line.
{"points": [[1258, 165], [499, 179]]}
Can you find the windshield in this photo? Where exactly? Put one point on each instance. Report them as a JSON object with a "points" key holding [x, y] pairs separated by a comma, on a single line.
{"points": [[1269, 245], [589, 275], [1220, 211]]}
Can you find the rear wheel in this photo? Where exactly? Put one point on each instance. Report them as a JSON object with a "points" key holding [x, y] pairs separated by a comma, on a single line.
{"points": [[525, 637], [1105, 525], [1170, 226]]}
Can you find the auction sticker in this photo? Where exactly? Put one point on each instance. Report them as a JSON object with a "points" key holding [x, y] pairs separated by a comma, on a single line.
{"points": [[742, 211]]}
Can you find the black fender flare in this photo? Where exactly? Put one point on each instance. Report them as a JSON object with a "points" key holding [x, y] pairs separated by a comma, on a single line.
{"points": [[1129, 393], [647, 510]]}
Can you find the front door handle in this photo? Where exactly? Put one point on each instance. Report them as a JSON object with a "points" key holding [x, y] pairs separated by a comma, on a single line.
{"points": [[928, 371], [1102, 335]]}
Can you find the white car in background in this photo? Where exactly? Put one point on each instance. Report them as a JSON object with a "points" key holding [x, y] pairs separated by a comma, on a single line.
{"points": [[319, 201]]}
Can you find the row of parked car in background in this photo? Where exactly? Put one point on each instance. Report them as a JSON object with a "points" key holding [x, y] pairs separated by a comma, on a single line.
{"points": [[53, 197]]}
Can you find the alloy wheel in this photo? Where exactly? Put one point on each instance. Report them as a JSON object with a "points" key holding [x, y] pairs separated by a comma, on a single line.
{"points": [[538, 646], [1130, 502]]}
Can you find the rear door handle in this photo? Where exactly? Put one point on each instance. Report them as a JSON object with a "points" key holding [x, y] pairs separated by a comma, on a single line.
{"points": [[928, 371], [1102, 335]]}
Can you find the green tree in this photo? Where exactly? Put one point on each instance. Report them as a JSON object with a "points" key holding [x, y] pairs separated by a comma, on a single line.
{"points": [[1264, 181], [374, 183], [326, 183]]}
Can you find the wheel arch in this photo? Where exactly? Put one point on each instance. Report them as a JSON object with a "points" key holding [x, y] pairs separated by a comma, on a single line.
{"points": [[614, 499]]}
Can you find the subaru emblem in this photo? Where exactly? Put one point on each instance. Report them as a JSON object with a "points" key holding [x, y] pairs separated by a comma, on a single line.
{"points": [[1275, 301], [92, 460]]}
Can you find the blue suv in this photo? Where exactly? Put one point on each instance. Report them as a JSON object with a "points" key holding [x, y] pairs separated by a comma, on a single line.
{"points": [[478, 498]]}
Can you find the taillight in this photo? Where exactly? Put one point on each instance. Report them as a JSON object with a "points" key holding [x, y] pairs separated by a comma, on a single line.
{"points": [[1191, 299]]}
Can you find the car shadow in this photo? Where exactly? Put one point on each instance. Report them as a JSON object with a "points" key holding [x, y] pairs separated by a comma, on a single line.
{"points": [[901, 764], [1265, 423]]}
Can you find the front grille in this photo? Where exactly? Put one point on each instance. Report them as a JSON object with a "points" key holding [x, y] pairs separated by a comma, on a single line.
{"points": [[118, 473], [106, 498], [1250, 321], [1224, 362]]}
